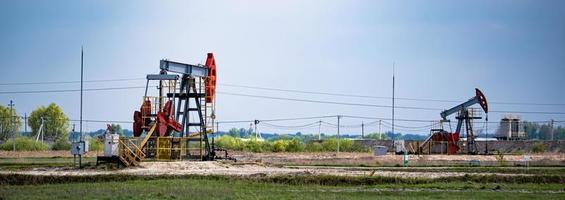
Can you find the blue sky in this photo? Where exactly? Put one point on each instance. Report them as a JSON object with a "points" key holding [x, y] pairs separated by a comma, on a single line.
{"points": [[513, 50]]}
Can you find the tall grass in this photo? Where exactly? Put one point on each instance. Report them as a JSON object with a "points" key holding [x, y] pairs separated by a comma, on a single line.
{"points": [[287, 145], [61, 144], [24, 144], [95, 145]]}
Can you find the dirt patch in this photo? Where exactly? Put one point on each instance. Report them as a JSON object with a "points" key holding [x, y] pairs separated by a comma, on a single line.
{"points": [[331, 158], [271, 164], [235, 169]]}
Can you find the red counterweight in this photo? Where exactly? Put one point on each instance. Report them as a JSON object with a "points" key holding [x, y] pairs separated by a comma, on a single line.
{"points": [[211, 79]]}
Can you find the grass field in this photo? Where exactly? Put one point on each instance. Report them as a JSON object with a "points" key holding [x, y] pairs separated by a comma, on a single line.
{"points": [[28, 163], [517, 183], [202, 188]]}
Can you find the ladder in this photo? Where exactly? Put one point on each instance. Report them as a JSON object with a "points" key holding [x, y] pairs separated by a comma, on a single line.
{"points": [[130, 154]]}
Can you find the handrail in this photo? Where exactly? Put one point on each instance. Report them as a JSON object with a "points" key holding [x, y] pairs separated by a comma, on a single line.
{"points": [[144, 141], [126, 146], [137, 149]]}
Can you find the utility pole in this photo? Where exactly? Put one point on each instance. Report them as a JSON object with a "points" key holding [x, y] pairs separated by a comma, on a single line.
{"points": [[551, 129], [25, 123], [486, 136], [393, 70], [320, 130], [393, 97], [13, 123], [81, 89], [81, 83], [256, 134], [380, 131], [42, 130], [338, 138], [74, 133], [362, 130]]}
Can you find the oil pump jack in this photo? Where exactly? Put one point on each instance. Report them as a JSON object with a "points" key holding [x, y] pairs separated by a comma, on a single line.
{"points": [[177, 121], [441, 141]]}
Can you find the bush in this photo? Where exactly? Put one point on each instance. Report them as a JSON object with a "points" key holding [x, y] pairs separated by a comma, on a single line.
{"points": [[61, 144], [329, 145], [257, 146], [94, 144], [295, 145], [229, 142], [287, 145], [280, 145], [538, 147], [345, 145], [24, 144], [314, 147]]}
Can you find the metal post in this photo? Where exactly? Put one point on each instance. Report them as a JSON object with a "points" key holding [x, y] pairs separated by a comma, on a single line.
{"points": [[255, 123], [551, 129], [362, 130], [81, 90], [25, 123], [319, 130], [486, 132], [393, 70], [338, 138], [380, 131], [393, 97], [42, 130], [74, 133], [13, 123]]}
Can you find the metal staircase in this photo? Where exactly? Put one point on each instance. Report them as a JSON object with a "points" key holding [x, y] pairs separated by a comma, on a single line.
{"points": [[130, 154]]}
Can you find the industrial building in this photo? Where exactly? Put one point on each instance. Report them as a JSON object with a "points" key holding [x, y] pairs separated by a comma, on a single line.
{"points": [[511, 128]]}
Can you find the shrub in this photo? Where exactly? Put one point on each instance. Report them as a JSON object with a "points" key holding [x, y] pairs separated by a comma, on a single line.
{"points": [[538, 147], [94, 144], [229, 142], [280, 145], [61, 144], [314, 147], [345, 145], [24, 144], [329, 145], [295, 145], [287, 145], [257, 146]]}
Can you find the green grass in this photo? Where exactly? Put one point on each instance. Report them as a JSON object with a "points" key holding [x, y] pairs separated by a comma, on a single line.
{"points": [[24, 144], [546, 183], [202, 188], [29, 163], [464, 169]]}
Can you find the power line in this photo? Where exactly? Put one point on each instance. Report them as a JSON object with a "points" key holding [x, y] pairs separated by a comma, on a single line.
{"points": [[277, 98], [380, 97], [375, 105], [68, 82], [298, 118], [327, 102], [71, 90], [288, 90], [270, 125]]}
